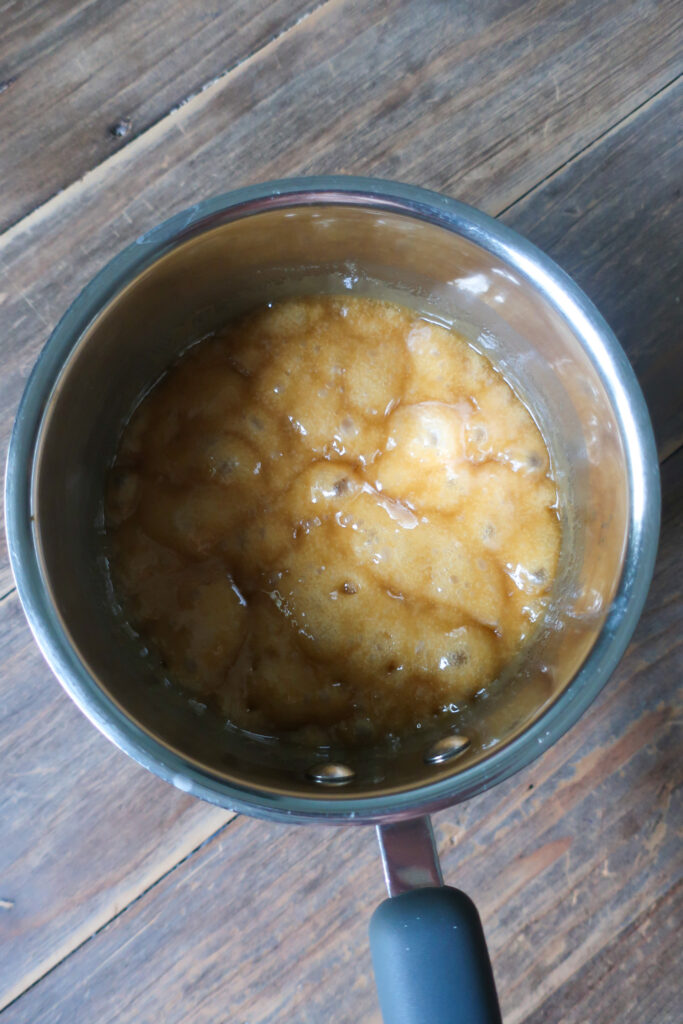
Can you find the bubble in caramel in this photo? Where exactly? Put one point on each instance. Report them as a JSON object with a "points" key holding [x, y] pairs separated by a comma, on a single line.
{"points": [[333, 519]]}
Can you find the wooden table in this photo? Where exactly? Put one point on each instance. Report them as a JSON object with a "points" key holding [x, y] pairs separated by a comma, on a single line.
{"points": [[123, 900]]}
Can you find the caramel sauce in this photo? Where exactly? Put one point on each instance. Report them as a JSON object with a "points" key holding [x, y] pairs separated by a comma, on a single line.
{"points": [[333, 518]]}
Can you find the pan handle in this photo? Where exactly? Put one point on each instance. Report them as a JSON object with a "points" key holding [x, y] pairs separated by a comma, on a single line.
{"points": [[428, 948]]}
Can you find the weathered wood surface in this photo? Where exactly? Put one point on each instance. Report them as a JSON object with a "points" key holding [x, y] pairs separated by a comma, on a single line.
{"points": [[573, 864], [373, 75], [84, 829], [575, 877], [613, 219], [79, 80], [482, 101]]}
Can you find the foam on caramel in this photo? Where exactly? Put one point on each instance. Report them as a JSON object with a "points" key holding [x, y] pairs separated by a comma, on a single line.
{"points": [[333, 518]]}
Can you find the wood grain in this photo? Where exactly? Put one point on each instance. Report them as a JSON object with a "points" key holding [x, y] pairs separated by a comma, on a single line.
{"points": [[482, 101], [102, 67], [567, 861], [82, 79], [613, 219], [108, 899], [638, 966], [84, 829]]}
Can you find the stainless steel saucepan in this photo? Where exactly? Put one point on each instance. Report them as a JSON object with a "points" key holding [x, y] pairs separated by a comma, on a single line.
{"points": [[370, 237]]}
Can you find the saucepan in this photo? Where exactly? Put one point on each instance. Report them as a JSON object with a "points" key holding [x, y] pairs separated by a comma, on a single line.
{"points": [[368, 237]]}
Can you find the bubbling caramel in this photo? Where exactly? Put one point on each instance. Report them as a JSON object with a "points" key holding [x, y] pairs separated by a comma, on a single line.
{"points": [[333, 519]]}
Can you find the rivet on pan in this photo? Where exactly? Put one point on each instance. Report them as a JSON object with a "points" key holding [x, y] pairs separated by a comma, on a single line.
{"points": [[331, 774], [446, 748]]}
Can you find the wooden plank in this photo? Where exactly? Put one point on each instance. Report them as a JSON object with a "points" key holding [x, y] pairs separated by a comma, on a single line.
{"points": [[427, 63], [567, 861], [637, 968], [613, 219], [348, 84], [84, 829], [105, 70]]}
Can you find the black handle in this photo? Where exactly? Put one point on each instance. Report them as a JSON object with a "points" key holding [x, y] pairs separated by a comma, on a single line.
{"points": [[430, 959]]}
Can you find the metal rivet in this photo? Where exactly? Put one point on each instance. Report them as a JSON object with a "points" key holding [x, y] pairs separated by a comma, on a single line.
{"points": [[330, 774], [446, 748]]}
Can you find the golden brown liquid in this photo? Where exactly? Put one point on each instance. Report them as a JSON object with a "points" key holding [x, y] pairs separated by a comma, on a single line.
{"points": [[334, 517]]}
